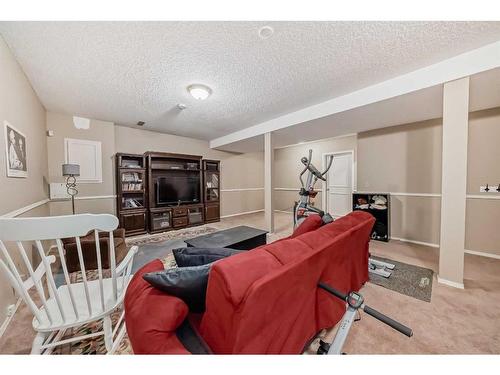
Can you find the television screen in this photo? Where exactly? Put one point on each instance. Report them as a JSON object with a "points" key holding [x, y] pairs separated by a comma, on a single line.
{"points": [[178, 188]]}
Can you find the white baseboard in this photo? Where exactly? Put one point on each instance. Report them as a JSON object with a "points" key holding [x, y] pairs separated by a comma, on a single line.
{"points": [[283, 211], [430, 244], [242, 213], [8, 319], [450, 283], [482, 254]]}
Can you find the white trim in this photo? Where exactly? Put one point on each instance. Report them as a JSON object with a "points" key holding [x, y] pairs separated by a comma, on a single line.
{"points": [[8, 319], [430, 244], [463, 65], [241, 189], [242, 213], [430, 195], [95, 197], [477, 196], [450, 283], [286, 189], [354, 174], [318, 140], [283, 211], [482, 254], [84, 198], [435, 245], [24, 209], [97, 145]]}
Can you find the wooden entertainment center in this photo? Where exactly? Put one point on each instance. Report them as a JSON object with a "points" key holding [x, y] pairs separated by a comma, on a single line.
{"points": [[159, 191]]}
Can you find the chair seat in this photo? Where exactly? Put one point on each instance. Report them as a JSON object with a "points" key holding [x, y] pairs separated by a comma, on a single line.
{"points": [[78, 290]]}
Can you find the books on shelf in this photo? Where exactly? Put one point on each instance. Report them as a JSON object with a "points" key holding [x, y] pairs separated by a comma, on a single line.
{"points": [[132, 186], [131, 181], [132, 203]]}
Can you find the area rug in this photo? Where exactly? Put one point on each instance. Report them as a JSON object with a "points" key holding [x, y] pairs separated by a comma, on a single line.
{"points": [[406, 279], [166, 236], [95, 345]]}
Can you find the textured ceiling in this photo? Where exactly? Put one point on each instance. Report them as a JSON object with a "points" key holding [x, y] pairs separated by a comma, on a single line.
{"points": [[130, 71], [413, 107]]}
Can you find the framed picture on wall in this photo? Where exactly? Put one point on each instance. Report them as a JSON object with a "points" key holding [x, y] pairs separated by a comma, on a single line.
{"points": [[15, 152]]}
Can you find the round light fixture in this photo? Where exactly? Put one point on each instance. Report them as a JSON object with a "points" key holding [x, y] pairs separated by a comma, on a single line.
{"points": [[199, 92], [266, 32]]}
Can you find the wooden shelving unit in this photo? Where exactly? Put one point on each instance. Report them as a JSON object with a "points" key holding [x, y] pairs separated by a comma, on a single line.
{"points": [[138, 208], [131, 203], [211, 190], [172, 216]]}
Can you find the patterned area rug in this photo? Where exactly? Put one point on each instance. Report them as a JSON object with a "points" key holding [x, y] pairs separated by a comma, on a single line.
{"points": [[95, 345], [166, 236]]}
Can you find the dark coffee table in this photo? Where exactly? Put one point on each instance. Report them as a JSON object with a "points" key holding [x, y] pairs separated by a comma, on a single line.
{"points": [[240, 238]]}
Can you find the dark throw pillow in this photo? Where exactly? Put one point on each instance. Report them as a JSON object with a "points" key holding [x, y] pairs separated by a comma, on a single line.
{"points": [[197, 256], [187, 283]]}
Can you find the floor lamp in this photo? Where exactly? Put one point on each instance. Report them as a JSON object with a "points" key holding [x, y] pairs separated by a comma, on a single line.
{"points": [[71, 171]]}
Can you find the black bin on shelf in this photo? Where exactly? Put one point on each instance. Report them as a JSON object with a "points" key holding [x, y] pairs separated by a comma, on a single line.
{"points": [[378, 205]]}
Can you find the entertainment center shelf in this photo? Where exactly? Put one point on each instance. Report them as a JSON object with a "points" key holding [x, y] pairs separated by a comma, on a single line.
{"points": [[161, 191]]}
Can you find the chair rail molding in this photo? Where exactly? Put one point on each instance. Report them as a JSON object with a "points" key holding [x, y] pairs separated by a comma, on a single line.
{"points": [[401, 194], [241, 189], [25, 209]]}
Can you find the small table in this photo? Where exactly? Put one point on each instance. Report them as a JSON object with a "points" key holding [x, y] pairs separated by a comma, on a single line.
{"points": [[239, 238]]}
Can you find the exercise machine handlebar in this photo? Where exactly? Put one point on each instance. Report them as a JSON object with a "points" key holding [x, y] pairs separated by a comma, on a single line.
{"points": [[309, 166], [389, 321], [367, 309]]}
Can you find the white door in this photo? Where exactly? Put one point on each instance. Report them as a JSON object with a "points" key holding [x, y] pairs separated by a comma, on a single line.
{"points": [[340, 183]]}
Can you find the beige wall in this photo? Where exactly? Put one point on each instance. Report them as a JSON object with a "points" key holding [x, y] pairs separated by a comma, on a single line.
{"points": [[416, 218], [483, 164], [405, 159], [238, 171], [483, 215], [287, 167], [19, 105], [101, 131]]}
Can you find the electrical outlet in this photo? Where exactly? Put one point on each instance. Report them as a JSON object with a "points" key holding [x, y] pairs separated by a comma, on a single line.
{"points": [[491, 189], [11, 309]]}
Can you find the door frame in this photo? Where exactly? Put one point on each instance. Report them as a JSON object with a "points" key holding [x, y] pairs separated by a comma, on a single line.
{"points": [[324, 184]]}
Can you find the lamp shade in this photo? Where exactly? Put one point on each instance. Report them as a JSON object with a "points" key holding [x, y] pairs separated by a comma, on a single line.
{"points": [[71, 170]]}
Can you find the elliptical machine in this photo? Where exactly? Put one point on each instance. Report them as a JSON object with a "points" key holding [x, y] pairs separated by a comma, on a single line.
{"points": [[303, 207], [354, 301]]}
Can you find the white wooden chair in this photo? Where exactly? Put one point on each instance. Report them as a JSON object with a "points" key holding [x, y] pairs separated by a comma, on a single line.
{"points": [[71, 304]]}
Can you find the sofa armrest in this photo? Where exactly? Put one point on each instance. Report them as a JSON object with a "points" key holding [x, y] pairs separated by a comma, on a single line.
{"points": [[152, 316]]}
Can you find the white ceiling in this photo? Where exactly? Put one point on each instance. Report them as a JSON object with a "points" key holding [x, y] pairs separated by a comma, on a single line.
{"points": [[130, 71]]}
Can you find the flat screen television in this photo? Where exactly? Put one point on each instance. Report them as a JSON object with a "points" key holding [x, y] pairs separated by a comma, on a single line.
{"points": [[178, 188]]}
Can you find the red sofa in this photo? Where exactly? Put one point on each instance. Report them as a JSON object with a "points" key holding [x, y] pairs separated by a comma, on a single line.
{"points": [[264, 301]]}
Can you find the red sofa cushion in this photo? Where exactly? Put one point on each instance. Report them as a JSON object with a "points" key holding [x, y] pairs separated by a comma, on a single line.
{"points": [[152, 316], [311, 223]]}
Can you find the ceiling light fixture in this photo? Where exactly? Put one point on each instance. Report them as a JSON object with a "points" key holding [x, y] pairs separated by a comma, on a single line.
{"points": [[199, 92], [266, 32]]}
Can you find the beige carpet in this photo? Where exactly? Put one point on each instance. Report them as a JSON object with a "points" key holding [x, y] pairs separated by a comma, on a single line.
{"points": [[455, 321]]}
